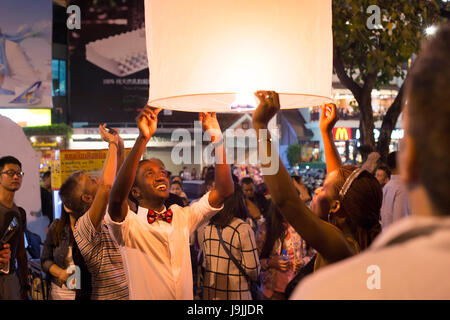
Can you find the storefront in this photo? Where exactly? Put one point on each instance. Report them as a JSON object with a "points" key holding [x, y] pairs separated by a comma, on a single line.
{"points": [[347, 142]]}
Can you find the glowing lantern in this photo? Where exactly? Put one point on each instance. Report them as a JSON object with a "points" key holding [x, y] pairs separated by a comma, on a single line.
{"points": [[204, 55]]}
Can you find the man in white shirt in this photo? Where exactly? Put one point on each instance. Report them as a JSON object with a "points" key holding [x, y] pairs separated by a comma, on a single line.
{"points": [[395, 196], [154, 243], [411, 259]]}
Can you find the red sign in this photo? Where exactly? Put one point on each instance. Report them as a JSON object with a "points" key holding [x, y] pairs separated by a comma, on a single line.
{"points": [[342, 134]]}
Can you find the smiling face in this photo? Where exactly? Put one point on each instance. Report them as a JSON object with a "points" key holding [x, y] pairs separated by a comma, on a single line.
{"points": [[151, 181], [11, 184]]}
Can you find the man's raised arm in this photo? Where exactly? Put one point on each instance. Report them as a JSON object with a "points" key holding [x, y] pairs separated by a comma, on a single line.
{"points": [[118, 207], [224, 182], [98, 208]]}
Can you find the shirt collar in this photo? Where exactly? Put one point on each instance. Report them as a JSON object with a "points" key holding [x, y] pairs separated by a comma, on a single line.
{"points": [[407, 224], [142, 210]]}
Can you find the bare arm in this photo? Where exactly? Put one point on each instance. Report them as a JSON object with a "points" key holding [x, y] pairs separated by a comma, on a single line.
{"points": [[323, 236], [328, 119], [224, 182], [120, 155], [98, 208], [118, 207]]}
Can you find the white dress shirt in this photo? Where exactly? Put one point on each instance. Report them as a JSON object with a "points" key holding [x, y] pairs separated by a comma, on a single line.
{"points": [[156, 256], [413, 269]]}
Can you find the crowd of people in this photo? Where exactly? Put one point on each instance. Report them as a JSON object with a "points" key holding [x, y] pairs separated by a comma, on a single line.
{"points": [[134, 234]]}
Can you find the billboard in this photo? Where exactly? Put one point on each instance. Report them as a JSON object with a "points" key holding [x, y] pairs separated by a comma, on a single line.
{"points": [[108, 62], [25, 53]]}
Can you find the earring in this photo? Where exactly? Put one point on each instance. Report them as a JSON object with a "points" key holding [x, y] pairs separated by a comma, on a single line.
{"points": [[329, 217]]}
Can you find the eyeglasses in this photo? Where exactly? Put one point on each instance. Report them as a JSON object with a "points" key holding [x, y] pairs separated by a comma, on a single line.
{"points": [[12, 173]]}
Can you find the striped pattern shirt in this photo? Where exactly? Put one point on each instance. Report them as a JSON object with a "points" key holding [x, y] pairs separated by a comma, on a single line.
{"points": [[223, 280], [102, 256]]}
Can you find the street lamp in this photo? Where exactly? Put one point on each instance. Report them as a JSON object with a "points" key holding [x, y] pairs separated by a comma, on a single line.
{"points": [[431, 30]]}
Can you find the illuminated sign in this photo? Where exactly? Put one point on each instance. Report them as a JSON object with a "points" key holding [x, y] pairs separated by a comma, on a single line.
{"points": [[342, 134], [29, 117]]}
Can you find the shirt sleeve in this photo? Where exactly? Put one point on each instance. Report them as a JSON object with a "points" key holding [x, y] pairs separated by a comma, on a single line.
{"points": [[47, 259], [199, 212], [89, 242], [120, 230], [249, 252]]}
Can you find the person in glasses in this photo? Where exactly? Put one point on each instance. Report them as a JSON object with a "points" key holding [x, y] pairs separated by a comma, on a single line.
{"points": [[154, 243], [345, 213], [411, 259], [13, 283]]}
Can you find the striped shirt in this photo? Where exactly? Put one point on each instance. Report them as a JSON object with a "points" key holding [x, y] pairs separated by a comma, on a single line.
{"points": [[102, 256], [223, 280]]}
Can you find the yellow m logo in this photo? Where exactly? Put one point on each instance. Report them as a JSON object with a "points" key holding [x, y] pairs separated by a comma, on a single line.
{"points": [[341, 134]]}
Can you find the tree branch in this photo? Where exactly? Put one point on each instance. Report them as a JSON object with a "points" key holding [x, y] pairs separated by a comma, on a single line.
{"points": [[388, 124], [343, 77]]}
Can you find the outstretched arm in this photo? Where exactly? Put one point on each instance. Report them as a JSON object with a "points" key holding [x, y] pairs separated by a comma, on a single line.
{"points": [[328, 119], [98, 208], [324, 237], [224, 182], [147, 121]]}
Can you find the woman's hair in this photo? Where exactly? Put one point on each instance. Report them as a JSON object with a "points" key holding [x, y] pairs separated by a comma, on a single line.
{"points": [[176, 182], [70, 194], [233, 207], [60, 225], [275, 229], [360, 205]]}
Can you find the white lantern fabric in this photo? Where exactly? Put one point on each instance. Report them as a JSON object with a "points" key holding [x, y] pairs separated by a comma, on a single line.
{"points": [[202, 53]]}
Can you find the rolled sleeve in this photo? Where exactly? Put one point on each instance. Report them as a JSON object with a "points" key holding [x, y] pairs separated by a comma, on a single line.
{"points": [[200, 212]]}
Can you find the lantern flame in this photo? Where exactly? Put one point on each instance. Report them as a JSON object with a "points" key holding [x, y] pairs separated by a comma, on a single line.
{"points": [[244, 101]]}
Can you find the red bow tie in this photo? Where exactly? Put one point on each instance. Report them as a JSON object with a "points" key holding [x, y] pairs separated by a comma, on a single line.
{"points": [[152, 216]]}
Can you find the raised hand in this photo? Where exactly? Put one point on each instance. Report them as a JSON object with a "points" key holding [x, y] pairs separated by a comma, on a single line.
{"points": [[210, 124], [328, 117], [147, 121], [110, 137], [269, 104]]}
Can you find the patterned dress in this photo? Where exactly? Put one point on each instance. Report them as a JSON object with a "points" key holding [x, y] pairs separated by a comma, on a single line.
{"points": [[274, 280]]}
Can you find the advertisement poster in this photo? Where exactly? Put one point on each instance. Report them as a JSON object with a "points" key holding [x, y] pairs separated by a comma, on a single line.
{"points": [[108, 61], [25, 53]]}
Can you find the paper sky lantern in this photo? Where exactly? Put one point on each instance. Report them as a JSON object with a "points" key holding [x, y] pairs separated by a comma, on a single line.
{"points": [[205, 54]]}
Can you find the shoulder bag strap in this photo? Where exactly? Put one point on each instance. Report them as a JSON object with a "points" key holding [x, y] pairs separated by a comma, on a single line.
{"points": [[238, 265]]}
